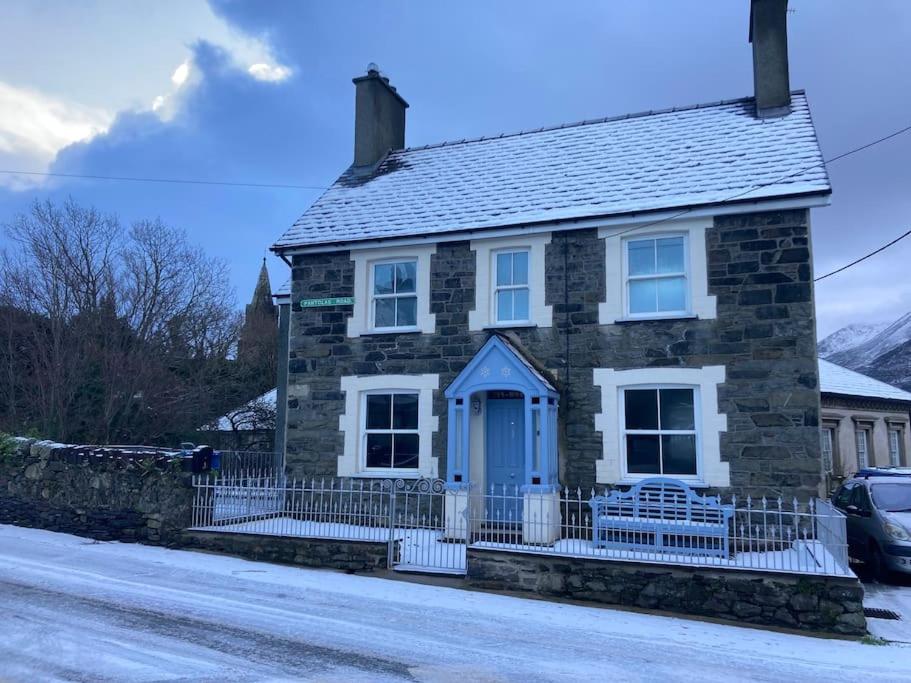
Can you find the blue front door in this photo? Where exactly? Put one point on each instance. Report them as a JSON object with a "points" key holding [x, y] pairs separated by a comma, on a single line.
{"points": [[505, 455]]}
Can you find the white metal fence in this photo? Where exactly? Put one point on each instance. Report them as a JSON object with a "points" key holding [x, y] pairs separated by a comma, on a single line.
{"points": [[760, 534], [429, 527], [408, 514]]}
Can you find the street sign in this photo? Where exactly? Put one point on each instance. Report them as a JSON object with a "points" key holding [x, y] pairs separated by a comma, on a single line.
{"points": [[333, 301]]}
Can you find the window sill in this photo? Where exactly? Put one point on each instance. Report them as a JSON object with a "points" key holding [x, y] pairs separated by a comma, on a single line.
{"points": [[631, 481], [510, 326], [391, 474], [403, 330], [652, 318]]}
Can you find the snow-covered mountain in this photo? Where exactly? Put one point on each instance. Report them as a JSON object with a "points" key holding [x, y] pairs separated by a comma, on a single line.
{"points": [[849, 337], [880, 351]]}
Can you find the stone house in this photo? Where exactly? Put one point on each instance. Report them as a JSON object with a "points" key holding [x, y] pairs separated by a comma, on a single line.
{"points": [[583, 305], [864, 423]]}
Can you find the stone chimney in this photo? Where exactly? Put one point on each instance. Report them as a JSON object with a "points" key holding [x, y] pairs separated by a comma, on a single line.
{"points": [[379, 117], [769, 36]]}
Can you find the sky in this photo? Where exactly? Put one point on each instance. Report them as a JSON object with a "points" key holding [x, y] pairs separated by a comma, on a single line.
{"points": [[261, 92]]}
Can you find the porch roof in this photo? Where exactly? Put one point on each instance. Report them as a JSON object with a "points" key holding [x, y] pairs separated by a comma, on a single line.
{"points": [[500, 365]]}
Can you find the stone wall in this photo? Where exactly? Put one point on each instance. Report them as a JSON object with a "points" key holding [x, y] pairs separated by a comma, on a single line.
{"points": [[110, 495], [758, 268], [99, 493], [307, 552], [823, 604]]}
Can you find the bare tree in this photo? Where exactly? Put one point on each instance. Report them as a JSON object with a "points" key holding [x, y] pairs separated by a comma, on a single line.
{"points": [[109, 334]]}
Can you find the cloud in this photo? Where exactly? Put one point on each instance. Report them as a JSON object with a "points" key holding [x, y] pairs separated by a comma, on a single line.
{"points": [[181, 73], [35, 127], [223, 124], [269, 72]]}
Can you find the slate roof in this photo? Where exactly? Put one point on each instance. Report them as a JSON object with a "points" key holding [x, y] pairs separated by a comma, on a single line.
{"points": [[834, 379], [689, 156]]}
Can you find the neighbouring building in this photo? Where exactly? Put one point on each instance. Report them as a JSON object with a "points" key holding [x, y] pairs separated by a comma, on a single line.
{"points": [[864, 423], [259, 424], [250, 427], [587, 304]]}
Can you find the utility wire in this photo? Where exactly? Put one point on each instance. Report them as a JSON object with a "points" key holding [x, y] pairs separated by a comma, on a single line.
{"points": [[289, 186], [179, 181], [683, 212], [863, 258]]}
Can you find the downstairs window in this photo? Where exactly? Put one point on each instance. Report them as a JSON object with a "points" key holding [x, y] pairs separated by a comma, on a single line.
{"points": [[391, 438], [659, 431]]}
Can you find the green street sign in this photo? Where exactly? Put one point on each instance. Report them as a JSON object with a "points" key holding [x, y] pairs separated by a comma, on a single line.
{"points": [[334, 301]]}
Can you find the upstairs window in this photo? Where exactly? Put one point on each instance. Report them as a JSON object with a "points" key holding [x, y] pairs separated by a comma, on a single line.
{"points": [[391, 438], [511, 292], [656, 276], [394, 296], [660, 431]]}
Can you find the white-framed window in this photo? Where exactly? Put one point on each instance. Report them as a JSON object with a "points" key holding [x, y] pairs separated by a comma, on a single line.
{"points": [[511, 293], [392, 291], [895, 447], [660, 431], [656, 275], [661, 421], [388, 426], [656, 272], [861, 442], [394, 297], [391, 439], [828, 449], [509, 282]]}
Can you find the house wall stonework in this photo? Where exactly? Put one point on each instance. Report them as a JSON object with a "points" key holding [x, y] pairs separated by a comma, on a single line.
{"points": [[758, 267]]}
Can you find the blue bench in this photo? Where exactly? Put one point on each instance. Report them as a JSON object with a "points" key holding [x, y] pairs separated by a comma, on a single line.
{"points": [[662, 515]]}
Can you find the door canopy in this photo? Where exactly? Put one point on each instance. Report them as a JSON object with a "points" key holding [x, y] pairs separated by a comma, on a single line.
{"points": [[499, 366]]}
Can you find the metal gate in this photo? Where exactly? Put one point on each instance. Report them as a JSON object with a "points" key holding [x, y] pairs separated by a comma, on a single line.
{"points": [[421, 538]]}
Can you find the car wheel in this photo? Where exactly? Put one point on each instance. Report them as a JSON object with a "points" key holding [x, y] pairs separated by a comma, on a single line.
{"points": [[877, 563]]}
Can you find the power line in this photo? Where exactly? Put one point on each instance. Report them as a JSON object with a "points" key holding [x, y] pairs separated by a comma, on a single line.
{"points": [[290, 186], [683, 212], [863, 258], [178, 181]]}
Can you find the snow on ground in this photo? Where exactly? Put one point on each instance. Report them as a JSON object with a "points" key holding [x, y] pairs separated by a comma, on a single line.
{"points": [[895, 597], [77, 609]]}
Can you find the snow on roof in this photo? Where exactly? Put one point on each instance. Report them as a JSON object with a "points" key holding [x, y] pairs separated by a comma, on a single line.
{"points": [[679, 157], [834, 379], [283, 292], [248, 416]]}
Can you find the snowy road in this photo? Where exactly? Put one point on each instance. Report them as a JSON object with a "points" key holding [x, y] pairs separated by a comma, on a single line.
{"points": [[73, 609]]}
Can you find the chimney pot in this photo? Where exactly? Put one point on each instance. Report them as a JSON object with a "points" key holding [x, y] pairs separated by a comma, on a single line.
{"points": [[379, 117], [769, 36]]}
